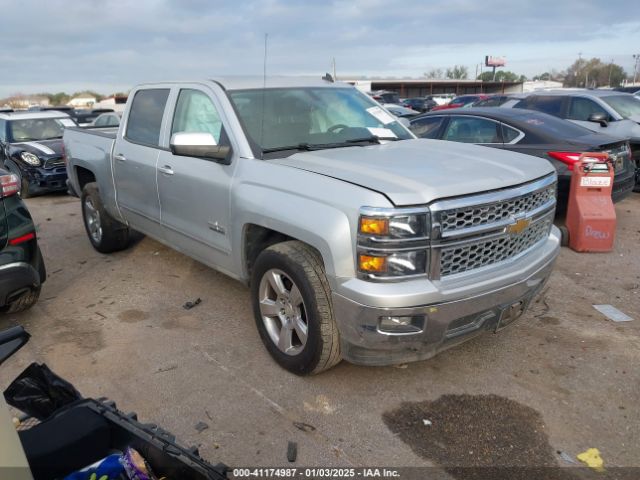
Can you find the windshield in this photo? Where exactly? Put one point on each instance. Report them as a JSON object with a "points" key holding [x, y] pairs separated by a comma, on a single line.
{"points": [[626, 105], [26, 130], [312, 116]]}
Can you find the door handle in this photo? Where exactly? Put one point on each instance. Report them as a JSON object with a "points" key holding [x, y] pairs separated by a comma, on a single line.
{"points": [[119, 157], [166, 170]]}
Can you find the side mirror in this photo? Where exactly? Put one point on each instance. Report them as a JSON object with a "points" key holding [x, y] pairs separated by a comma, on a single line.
{"points": [[12, 340], [201, 145], [600, 118]]}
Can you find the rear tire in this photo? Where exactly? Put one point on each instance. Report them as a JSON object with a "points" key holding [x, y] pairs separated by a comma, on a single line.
{"points": [[105, 233], [24, 188], [292, 299], [24, 301]]}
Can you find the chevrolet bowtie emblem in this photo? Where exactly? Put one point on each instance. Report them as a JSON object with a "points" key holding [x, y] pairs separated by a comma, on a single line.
{"points": [[518, 226]]}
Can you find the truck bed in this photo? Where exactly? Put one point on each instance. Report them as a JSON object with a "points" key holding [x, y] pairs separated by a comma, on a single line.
{"points": [[88, 153], [109, 132]]}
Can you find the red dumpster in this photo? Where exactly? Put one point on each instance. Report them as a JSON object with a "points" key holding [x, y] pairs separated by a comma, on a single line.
{"points": [[591, 217]]}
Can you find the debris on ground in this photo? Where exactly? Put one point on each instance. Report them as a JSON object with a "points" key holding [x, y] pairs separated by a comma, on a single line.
{"points": [[190, 304], [167, 368], [591, 457], [426, 422], [613, 313], [292, 451], [305, 427], [201, 427], [401, 365], [567, 458]]}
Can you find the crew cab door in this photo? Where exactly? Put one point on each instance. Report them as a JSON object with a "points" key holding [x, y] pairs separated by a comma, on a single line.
{"points": [[194, 192], [135, 155]]}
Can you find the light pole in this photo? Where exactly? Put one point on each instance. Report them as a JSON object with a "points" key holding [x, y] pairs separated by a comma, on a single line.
{"points": [[636, 57]]}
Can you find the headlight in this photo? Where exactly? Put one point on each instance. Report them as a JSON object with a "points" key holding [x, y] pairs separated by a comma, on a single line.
{"points": [[30, 158], [393, 243], [394, 227], [398, 264]]}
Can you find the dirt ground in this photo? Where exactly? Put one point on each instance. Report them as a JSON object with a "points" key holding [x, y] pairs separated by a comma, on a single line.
{"points": [[114, 325]]}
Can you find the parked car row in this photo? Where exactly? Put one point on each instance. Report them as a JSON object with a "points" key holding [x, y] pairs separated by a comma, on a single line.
{"points": [[80, 116], [610, 112], [532, 133]]}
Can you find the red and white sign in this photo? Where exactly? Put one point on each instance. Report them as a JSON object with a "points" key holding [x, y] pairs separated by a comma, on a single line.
{"points": [[494, 61]]}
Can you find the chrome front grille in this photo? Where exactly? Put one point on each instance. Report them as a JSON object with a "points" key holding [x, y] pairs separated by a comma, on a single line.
{"points": [[463, 258], [477, 231], [459, 218], [54, 162]]}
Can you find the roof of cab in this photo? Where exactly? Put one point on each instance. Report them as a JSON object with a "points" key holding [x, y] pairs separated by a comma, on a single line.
{"points": [[26, 115], [258, 82]]}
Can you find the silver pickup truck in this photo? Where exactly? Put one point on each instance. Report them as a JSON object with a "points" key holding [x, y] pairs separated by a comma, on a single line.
{"points": [[358, 241]]}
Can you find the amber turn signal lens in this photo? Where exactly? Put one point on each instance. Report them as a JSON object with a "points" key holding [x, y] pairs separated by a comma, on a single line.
{"points": [[368, 263], [374, 226]]}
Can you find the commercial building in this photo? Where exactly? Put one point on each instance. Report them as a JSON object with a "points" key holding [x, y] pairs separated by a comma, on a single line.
{"points": [[420, 87]]}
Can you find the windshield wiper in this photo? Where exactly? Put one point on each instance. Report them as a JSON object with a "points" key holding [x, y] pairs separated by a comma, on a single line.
{"points": [[371, 139], [322, 146]]}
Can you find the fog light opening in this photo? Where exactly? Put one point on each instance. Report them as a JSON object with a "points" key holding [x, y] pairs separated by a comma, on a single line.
{"points": [[399, 324]]}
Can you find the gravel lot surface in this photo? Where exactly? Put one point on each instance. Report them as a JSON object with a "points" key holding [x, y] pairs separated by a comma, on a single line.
{"points": [[114, 326]]}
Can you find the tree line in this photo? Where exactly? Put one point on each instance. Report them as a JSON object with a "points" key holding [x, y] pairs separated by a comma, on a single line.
{"points": [[582, 73]]}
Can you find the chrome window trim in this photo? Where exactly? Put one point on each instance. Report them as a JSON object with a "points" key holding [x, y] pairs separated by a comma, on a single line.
{"points": [[520, 136]]}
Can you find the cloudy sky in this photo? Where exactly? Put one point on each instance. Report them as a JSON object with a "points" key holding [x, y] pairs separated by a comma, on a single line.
{"points": [[110, 45]]}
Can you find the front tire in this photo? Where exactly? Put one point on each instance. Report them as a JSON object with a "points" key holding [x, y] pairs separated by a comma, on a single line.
{"points": [[292, 308], [106, 234]]}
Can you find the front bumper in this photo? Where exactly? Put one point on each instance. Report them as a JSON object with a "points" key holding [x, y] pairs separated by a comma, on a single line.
{"points": [[15, 279], [470, 311], [43, 180]]}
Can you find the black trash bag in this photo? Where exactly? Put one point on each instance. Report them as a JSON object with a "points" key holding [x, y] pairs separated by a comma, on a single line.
{"points": [[39, 392]]}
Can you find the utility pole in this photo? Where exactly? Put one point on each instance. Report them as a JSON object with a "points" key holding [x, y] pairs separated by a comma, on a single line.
{"points": [[334, 70], [610, 68], [636, 57]]}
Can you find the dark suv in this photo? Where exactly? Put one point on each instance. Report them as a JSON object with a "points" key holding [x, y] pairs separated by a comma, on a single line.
{"points": [[21, 265]]}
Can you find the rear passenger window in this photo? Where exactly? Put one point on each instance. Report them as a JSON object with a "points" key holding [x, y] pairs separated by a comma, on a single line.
{"points": [[195, 113], [509, 134], [427, 127], [549, 105], [472, 130], [145, 116]]}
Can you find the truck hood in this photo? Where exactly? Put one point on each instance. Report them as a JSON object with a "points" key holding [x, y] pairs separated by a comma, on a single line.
{"points": [[415, 172]]}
